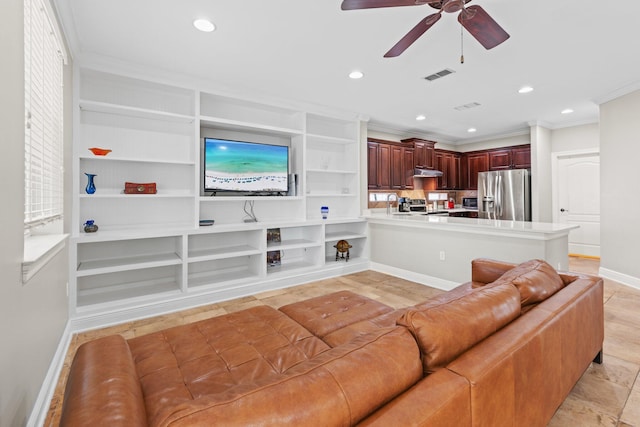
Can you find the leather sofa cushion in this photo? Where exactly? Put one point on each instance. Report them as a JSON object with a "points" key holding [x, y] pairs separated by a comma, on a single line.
{"points": [[446, 330], [363, 327], [327, 313], [536, 281], [339, 387], [445, 297], [216, 355]]}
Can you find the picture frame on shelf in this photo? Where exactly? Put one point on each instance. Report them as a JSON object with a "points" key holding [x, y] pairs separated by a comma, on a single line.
{"points": [[273, 235], [273, 258]]}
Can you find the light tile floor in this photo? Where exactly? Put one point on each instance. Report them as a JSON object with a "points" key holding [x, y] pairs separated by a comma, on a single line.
{"points": [[606, 395]]}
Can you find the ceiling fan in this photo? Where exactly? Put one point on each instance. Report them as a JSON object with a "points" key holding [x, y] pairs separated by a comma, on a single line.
{"points": [[473, 18]]}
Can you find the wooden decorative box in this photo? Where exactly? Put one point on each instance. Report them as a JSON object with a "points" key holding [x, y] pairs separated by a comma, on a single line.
{"points": [[140, 188]]}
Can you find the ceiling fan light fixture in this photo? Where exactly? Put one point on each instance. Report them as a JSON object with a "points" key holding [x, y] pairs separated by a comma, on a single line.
{"points": [[566, 111], [472, 130], [452, 6], [204, 25], [525, 89], [421, 117], [355, 75]]}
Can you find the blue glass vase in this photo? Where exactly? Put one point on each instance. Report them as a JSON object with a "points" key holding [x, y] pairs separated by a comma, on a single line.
{"points": [[91, 187]]}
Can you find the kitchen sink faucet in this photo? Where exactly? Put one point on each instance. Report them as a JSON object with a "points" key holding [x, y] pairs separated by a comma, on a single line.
{"points": [[389, 201]]}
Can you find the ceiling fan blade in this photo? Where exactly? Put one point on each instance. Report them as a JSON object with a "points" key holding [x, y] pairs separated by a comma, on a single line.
{"points": [[371, 4], [413, 35], [481, 26]]}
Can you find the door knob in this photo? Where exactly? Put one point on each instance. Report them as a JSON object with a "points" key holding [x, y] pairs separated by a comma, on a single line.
{"points": [[563, 210]]}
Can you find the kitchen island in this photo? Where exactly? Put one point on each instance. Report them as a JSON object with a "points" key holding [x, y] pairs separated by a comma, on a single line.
{"points": [[438, 250]]}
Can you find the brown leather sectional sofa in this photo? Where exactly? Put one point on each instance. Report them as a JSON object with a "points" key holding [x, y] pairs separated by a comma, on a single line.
{"points": [[502, 350]]}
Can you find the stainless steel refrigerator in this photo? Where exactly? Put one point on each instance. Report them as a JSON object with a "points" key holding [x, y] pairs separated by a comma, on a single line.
{"points": [[505, 195]]}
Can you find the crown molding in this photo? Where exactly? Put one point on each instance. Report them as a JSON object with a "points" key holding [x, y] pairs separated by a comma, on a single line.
{"points": [[624, 90]]}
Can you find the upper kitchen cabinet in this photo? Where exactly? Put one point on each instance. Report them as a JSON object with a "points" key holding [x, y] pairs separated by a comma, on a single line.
{"points": [[517, 157], [402, 159], [475, 162], [390, 165], [424, 156], [449, 163], [379, 165], [521, 157]]}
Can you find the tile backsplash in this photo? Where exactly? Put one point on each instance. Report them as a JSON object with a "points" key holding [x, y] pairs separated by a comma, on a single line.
{"points": [[457, 196]]}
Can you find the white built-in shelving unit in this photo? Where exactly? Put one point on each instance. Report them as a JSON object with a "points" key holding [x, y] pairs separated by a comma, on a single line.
{"points": [[150, 255]]}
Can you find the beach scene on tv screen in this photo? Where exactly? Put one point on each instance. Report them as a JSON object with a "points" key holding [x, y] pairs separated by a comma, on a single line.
{"points": [[242, 166]]}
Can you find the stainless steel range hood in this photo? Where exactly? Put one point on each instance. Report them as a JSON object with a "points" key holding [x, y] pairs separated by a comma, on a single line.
{"points": [[426, 173]]}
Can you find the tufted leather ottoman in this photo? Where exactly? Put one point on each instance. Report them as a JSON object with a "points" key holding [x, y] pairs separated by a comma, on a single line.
{"points": [[328, 313]]}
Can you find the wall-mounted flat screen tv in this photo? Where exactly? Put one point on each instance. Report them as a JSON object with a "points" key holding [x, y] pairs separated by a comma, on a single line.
{"points": [[245, 167]]}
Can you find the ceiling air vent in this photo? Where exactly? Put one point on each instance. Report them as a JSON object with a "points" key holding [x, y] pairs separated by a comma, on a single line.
{"points": [[439, 74], [466, 106]]}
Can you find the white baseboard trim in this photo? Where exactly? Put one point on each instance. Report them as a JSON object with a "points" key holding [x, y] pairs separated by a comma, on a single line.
{"points": [[434, 282], [625, 279], [43, 401]]}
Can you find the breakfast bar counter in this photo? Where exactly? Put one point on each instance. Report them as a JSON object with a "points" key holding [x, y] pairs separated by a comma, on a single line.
{"points": [[437, 250]]}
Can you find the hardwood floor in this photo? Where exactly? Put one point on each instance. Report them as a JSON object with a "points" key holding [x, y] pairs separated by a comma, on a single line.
{"points": [[606, 395]]}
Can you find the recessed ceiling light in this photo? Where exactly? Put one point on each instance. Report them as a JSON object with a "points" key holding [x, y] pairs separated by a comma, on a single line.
{"points": [[356, 75], [566, 111], [525, 89], [471, 130], [204, 25], [421, 117]]}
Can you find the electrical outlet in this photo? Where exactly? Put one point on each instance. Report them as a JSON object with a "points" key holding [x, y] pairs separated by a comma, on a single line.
{"points": [[441, 255]]}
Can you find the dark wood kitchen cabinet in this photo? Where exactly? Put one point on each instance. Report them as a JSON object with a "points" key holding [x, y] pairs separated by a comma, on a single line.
{"points": [[475, 162], [408, 158], [379, 165], [401, 167], [390, 165], [521, 157], [517, 157], [499, 160], [424, 153], [449, 163]]}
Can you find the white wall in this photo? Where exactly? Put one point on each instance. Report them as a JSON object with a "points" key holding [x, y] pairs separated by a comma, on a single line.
{"points": [[541, 185], [619, 205], [33, 315], [575, 138]]}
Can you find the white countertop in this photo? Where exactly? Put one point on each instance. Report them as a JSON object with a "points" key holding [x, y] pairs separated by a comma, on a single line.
{"points": [[527, 229]]}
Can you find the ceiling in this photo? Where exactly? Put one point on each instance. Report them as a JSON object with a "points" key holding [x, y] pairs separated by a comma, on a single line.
{"points": [[575, 54]]}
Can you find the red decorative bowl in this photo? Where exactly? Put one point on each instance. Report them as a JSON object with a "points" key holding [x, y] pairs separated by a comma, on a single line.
{"points": [[100, 151]]}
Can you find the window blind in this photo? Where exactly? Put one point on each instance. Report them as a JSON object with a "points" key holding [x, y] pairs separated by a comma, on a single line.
{"points": [[44, 116]]}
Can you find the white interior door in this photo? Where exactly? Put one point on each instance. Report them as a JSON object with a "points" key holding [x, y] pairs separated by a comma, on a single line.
{"points": [[578, 201]]}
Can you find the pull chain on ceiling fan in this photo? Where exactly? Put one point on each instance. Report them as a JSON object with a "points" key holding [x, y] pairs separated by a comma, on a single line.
{"points": [[461, 46], [473, 18]]}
